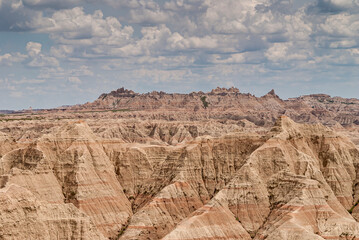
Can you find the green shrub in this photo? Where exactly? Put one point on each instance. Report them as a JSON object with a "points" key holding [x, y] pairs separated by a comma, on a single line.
{"points": [[204, 102]]}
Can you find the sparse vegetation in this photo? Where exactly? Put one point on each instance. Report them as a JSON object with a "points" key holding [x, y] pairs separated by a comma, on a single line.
{"points": [[121, 110], [351, 210], [19, 119], [204, 102], [102, 111], [122, 230]]}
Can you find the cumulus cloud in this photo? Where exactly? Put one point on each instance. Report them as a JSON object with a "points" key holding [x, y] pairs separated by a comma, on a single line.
{"points": [[341, 25], [33, 48], [177, 42], [8, 59], [39, 59], [62, 51], [86, 34], [149, 13], [285, 52]]}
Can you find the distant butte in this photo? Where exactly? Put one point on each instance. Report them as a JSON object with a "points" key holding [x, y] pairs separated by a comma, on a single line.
{"points": [[230, 103]]}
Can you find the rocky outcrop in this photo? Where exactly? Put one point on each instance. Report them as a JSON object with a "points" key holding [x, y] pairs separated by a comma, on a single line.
{"points": [[23, 216], [6, 144], [86, 175]]}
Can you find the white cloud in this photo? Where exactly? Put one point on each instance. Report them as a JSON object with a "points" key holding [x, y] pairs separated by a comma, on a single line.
{"points": [[75, 80], [81, 71], [153, 41], [78, 34], [37, 58], [9, 58], [43, 61], [341, 25], [177, 42], [143, 15], [33, 48], [61, 51], [277, 52], [347, 43]]}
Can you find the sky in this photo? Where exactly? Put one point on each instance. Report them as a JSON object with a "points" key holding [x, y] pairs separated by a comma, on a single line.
{"points": [[55, 53]]}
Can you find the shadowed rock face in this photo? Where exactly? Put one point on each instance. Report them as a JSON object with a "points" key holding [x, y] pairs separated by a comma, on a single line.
{"points": [[120, 179]]}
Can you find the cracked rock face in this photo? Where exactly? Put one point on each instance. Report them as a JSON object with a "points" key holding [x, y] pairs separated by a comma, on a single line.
{"points": [[119, 179]]}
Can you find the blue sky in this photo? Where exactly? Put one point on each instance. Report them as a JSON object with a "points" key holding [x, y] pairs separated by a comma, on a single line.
{"points": [[56, 53]]}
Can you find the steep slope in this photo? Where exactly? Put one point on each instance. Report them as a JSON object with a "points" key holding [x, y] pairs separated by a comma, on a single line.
{"points": [[86, 175], [69, 165], [23, 216], [296, 185], [190, 175]]}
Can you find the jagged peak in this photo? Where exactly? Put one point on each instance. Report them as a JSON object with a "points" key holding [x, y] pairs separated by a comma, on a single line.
{"points": [[286, 124], [120, 92], [271, 94], [220, 90]]}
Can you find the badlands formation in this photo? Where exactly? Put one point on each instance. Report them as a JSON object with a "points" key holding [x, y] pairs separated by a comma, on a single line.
{"points": [[217, 165]]}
